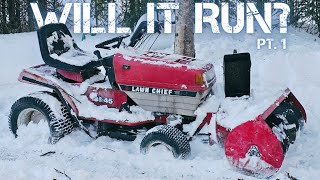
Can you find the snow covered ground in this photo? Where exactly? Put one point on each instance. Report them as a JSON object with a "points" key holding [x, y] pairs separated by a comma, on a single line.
{"points": [[83, 158]]}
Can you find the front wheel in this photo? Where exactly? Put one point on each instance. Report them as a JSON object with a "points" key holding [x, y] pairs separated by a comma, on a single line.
{"points": [[172, 138], [37, 107]]}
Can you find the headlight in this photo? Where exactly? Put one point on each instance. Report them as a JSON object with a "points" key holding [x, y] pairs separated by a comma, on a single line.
{"points": [[199, 79], [209, 75]]}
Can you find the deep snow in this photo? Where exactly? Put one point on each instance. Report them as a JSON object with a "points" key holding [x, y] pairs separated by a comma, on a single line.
{"points": [[83, 158]]}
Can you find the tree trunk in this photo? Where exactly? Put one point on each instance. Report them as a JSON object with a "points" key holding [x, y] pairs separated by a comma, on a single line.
{"points": [[4, 20], [96, 11], [292, 12], [99, 8], [17, 22], [31, 21], [260, 7], [317, 9], [133, 13], [54, 5], [43, 8], [11, 14], [184, 37]]}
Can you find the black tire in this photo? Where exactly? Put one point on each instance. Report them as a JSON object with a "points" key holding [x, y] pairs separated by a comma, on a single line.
{"points": [[169, 136], [57, 116]]}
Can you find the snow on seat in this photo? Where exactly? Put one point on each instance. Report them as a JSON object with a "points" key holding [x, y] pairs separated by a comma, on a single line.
{"points": [[59, 50]]}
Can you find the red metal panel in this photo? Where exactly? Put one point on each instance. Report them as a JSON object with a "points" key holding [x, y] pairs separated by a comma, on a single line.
{"points": [[75, 76], [156, 74], [118, 97], [267, 158], [205, 121], [65, 95], [221, 133]]}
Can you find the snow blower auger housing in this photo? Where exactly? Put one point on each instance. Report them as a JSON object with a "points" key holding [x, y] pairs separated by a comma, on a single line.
{"points": [[169, 99]]}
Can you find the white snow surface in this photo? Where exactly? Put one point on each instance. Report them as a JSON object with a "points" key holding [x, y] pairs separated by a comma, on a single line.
{"points": [[81, 157]]}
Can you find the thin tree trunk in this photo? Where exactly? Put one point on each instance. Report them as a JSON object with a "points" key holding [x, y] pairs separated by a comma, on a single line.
{"points": [[260, 7], [31, 23], [317, 9], [54, 5], [292, 12], [96, 11], [4, 20], [43, 7], [184, 37], [132, 13], [17, 17], [11, 14]]}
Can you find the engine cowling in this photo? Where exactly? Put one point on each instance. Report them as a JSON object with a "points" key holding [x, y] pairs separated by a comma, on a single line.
{"points": [[161, 82]]}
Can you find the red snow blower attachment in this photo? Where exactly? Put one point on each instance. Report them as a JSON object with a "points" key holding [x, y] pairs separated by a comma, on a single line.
{"points": [[257, 146]]}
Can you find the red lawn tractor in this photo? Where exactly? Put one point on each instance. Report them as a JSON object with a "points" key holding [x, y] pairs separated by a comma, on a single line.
{"points": [[167, 98]]}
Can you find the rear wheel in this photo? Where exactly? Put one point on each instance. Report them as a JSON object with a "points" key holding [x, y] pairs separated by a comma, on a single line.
{"points": [[170, 137], [37, 107]]}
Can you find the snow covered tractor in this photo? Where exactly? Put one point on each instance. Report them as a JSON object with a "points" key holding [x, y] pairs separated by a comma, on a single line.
{"points": [[167, 98]]}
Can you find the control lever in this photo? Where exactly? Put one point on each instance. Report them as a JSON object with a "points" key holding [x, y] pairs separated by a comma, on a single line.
{"points": [[106, 61], [98, 54]]}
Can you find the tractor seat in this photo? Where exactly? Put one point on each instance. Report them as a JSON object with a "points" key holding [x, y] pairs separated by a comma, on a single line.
{"points": [[59, 50]]}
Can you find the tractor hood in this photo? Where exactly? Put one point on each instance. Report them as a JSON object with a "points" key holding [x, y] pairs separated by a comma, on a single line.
{"points": [[162, 82], [162, 70]]}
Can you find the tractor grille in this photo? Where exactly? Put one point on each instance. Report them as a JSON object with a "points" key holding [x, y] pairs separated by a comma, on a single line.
{"points": [[171, 104]]}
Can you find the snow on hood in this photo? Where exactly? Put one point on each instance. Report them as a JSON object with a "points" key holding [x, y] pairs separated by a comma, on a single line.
{"points": [[160, 58]]}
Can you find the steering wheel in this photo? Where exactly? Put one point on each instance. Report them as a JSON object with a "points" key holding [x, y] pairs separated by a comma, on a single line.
{"points": [[118, 40]]}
